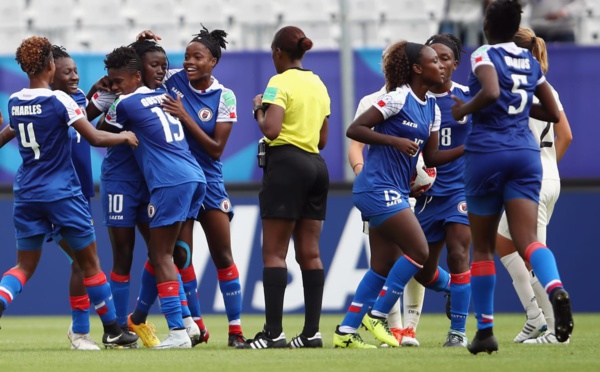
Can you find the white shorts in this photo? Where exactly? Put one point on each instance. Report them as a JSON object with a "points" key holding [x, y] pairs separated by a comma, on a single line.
{"points": [[411, 201], [549, 194]]}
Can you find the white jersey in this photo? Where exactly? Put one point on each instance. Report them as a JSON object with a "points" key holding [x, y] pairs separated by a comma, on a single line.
{"points": [[369, 100], [544, 134]]}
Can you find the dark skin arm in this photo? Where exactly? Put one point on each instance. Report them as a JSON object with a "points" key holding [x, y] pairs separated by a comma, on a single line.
{"points": [[435, 157], [7, 134], [270, 125], [360, 130], [214, 146], [324, 134], [547, 109], [99, 138], [100, 85], [489, 93]]}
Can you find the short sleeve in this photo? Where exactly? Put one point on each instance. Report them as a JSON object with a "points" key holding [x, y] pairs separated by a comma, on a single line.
{"points": [[437, 120], [275, 93], [112, 116], [103, 100], [481, 57], [227, 107], [391, 103], [72, 110]]}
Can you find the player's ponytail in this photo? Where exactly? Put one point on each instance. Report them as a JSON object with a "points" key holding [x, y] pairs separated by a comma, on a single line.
{"points": [[213, 40], [525, 38], [396, 66]]}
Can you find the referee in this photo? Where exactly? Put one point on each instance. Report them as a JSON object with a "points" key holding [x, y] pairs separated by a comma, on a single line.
{"points": [[293, 116]]}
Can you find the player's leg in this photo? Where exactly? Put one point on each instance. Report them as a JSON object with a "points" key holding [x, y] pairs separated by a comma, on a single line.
{"points": [[458, 241], [216, 226], [122, 240]]}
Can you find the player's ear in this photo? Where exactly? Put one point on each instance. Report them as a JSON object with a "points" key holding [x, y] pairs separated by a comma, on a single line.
{"points": [[417, 69]]}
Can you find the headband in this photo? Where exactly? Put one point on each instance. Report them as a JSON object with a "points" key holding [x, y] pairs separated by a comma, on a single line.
{"points": [[412, 52], [449, 44], [213, 46]]}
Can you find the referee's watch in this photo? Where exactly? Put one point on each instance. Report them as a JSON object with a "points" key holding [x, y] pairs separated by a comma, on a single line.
{"points": [[256, 108]]}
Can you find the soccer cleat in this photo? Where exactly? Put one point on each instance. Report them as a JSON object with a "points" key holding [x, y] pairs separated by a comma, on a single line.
{"points": [[563, 318], [192, 330], [146, 331], [489, 344], [177, 339], [235, 339], [81, 341], [263, 341], [546, 338], [204, 335], [456, 339], [302, 341], [349, 340], [124, 340], [448, 305], [397, 332], [532, 328], [380, 329], [409, 337]]}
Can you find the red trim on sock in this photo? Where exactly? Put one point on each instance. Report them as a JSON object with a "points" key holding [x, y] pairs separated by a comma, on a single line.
{"points": [[17, 274], [413, 262], [184, 303], [483, 268], [532, 248], [168, 289], [557, 284], [81, 303], [200, 324], [188, 274], [102, 310], [354, 309], [235, 329], [119, 278], [462, 278], [435, 277], [228, 274], [382, 292], [96, 280], [6, 296], [149, 268]]}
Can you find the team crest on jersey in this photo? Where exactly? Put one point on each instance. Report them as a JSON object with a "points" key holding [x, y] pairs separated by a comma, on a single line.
{"points": [[462, 207], [205, 114], [463, 120], [225, 205], [151, 210]]}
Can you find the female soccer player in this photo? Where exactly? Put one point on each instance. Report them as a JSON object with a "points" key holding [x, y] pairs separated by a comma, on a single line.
{"points": [[402, 120], [208, 110], [293, 115], [503, 166], [47, 191], [554, 139], [442, 211], [174, 178]]}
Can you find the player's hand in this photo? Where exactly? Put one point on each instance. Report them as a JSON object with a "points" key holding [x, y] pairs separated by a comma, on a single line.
{"points": [[457, 108], [1, 118], [103, 84], [174, 106], [131, 138], [147, 35], [257, 100], [415, 190], [406, 146]]}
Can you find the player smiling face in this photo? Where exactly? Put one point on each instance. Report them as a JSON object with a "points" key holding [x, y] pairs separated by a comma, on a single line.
{"points": [[66, 77], [155, 67], [198, 61], [124, 81]]}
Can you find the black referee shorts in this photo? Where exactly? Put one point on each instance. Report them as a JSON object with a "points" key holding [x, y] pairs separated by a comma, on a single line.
{"points": [[295, 185]]}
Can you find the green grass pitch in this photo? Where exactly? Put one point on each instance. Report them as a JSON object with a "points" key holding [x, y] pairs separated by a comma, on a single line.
{"points": [[40, 344]]}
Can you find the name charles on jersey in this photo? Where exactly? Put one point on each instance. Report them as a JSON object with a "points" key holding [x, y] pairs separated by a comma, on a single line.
{"points": [[26, 110]]}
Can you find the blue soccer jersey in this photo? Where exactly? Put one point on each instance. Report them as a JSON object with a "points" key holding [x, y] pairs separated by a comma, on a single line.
{"points": [[452, 134], [406, 116], [504, 125], [119, 163], [214, 105], [80, 151], [163, 153], [41, 119]]}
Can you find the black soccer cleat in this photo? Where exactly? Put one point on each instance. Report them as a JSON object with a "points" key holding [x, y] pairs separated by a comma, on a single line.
{"points": [[236, 339], [488, 344], [263, 341], [302, 341], [448, 305], [561, 304], [123, 340]]}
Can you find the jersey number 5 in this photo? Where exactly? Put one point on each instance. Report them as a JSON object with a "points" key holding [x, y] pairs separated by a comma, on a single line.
{"points": [[31, 143], [517, 81], [166, 120]]}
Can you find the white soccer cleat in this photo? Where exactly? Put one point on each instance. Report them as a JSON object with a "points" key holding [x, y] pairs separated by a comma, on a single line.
{"points": [[532, 328], [546, 338], [409, 337], [192, 330], [81, 341], [177, 339]]}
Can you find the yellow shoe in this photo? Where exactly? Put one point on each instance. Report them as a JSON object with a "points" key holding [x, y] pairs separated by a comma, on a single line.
{"points": [[349, 340], [146, 331], [380, 329]]}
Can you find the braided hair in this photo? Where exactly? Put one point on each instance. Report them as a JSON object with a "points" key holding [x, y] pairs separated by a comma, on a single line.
{"points": [[144, 46], [123, 57], [213, 40], [503, 18], [33, 54], [59, 52], [450, 41]]}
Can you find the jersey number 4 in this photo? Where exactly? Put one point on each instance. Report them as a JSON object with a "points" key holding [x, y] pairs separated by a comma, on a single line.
{"points": [[31, 142]]}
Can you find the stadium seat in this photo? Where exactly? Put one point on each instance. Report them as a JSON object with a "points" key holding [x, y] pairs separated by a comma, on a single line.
{"points": [[51, 15], [589, 31], [364, 20], [400, 10], [257, 21], [417, 32]]}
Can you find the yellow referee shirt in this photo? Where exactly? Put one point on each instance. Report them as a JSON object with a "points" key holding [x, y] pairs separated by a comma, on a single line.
{"points": [[306, 102]]}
